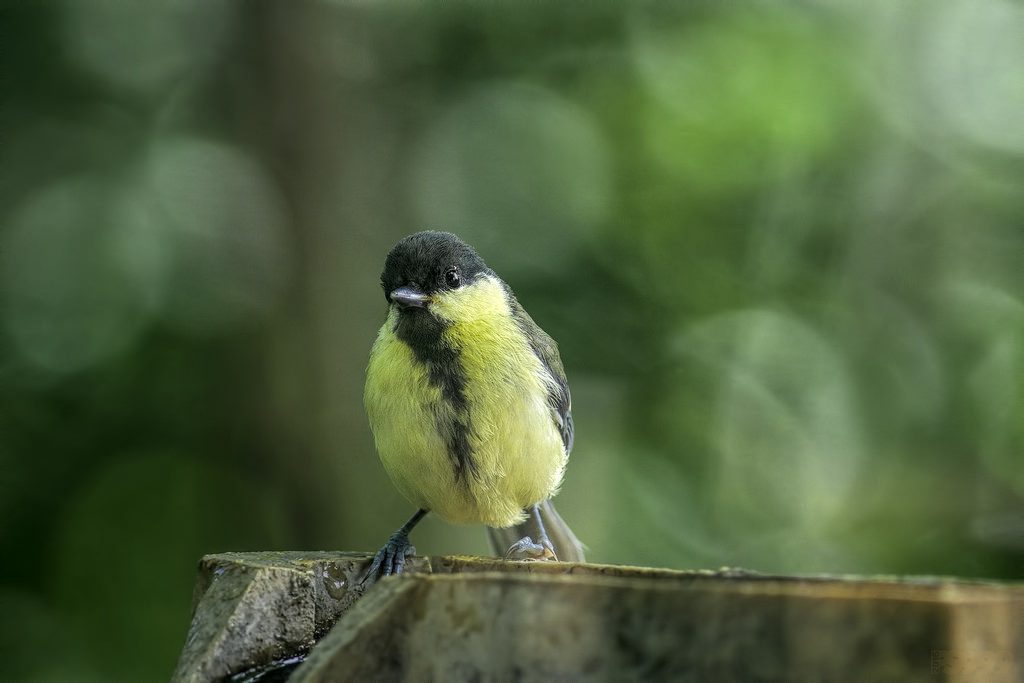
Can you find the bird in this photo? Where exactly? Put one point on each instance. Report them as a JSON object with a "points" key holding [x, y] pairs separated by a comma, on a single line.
{"points": [[468, 403]]}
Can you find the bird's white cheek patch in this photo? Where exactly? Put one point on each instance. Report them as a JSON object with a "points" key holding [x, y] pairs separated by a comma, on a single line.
{"points": [[481, 299]]}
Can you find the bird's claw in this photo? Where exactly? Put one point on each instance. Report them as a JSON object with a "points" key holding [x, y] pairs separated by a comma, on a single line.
{"points": [[391, 558], [526, 549]]}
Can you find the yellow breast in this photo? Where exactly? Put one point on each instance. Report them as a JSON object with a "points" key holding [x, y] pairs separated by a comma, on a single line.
{"points": [[517, 452]]}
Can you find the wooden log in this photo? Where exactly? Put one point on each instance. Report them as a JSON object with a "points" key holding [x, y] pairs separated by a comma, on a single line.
{"points": [[455, 618]]}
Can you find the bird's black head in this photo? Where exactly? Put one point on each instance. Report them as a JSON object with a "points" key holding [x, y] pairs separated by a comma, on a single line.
{"points": [[427, 263]]}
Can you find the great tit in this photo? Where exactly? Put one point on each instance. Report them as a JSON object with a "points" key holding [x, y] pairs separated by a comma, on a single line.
{"points": [[468, 403]]}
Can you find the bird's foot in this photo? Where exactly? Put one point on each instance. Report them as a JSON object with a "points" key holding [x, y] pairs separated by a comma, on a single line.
{"points": [[526, 549], [391, 558]]}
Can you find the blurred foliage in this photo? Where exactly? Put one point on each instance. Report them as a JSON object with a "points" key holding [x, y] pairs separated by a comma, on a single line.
{"points": [[781, 247]]}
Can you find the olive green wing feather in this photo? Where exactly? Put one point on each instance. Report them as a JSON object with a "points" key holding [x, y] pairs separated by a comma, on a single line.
{"points": [[546, 350]]}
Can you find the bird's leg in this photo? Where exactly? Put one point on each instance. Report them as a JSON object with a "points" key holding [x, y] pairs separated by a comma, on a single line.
{"points": [[526, 549], [542, 533], [391, 558]]}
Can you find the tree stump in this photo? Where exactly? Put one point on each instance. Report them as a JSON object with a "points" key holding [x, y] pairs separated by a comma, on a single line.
{"points": [[303, 617]]}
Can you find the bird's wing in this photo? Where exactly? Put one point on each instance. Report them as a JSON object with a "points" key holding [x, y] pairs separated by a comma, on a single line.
{"points": [[547, 351]]}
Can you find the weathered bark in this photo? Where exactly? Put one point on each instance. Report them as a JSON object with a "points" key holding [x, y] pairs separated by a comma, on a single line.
{"points": [[455, 618]]}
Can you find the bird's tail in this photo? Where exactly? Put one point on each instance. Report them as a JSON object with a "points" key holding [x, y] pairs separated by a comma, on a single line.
{"points": [[567, 547]]}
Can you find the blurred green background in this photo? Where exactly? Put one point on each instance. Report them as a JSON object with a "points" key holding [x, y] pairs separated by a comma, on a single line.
{"points": [[781, 246]]}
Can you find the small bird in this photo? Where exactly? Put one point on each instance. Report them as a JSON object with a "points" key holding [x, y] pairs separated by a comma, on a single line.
{"points": [[468, 403]]}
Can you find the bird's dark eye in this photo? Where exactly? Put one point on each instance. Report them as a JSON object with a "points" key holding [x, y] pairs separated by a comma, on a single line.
{"points": [[451, 277]]}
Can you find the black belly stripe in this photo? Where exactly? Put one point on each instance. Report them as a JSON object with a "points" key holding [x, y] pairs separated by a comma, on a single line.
{"points": [[456, 434], [424, 334]]}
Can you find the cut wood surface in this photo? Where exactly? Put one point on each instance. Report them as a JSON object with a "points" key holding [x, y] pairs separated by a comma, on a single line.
{"points": [[303, 617]]}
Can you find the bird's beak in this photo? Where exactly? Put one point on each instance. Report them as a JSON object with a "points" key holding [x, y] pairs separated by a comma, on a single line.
{"points": [[409, 297]]}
